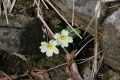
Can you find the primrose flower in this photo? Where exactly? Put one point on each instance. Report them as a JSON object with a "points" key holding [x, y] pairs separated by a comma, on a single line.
{"points": [[63, 39], [49, 48]]}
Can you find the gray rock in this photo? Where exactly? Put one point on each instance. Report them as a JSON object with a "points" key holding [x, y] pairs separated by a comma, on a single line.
{"points": [[111, 40], [86, 7], [23, 34]]}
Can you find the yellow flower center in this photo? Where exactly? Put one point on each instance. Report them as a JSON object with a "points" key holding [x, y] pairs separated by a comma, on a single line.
{"points": [[49, 46], [63, 38]]}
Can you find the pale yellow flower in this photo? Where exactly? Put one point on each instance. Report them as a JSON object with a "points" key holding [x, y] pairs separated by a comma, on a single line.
{"points": [[49, 48], [63, 39]]}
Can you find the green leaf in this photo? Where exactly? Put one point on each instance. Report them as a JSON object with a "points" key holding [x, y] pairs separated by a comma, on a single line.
{"points": [[71, 32], [58, 28]]}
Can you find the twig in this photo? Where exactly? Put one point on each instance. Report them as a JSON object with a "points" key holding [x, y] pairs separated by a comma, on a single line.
{"points": [[84, 60], [40, 17], [114, 6], [34, 3], [99, 64], [6, 75], [91, 21], [85, 38], [97, 11], [5, 11], [0, 8], [45, 4], [83, 47], [109, 0], [57, 66], [73, 12], [88, 26], [63, 18], [12, 5]]}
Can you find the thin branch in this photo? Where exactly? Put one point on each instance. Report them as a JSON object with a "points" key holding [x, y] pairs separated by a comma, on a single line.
{"points": [[91, 21], [6, 75], [114, 6], [12, 5], [85, 38], [73, 12], [47, 27], [5, 11], [83, 47], [45, 4], [84, 60], [88, 26], [0, 8], [57, 67], [97, 11]]}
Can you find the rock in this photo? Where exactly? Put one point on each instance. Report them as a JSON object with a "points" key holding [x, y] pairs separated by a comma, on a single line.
{"points": [[86, 7], [110, 75], [12, 64], [23, 34], [111, 40]]}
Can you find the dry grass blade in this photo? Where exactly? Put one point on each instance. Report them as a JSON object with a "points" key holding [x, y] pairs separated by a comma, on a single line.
{"points": [[41, 18], [88, 26], [109, 0], [20, 56], [34, 3], [63, 18], [45, 4], [47, 27], [114, 6], [7, 76], [73, 12], [100, 64], [5, 11], [84, 60], [83, 47], [57, 67], [12, 5], [0, 9], [97, 11]]}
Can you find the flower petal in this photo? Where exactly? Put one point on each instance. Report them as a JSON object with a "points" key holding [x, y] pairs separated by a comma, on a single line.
{"points": [[53, 42], [49, 54], [44, 43], [64, 32], [70, 39], [57, 35], [43, 50], [56, 51], [64, 45]]}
